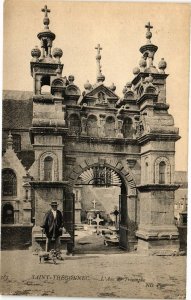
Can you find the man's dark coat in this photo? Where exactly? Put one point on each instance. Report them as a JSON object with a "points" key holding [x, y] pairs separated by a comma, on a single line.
{"points": [[53, 227]]}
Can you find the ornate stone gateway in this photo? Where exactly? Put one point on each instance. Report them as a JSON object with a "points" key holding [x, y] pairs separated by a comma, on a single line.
{"points": [[105, 139], [102, 175]]}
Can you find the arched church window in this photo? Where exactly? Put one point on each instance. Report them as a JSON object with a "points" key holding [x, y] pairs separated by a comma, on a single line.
{"points": [[110, 127], [8, 214], [48, 168], [162, 171], [127, 128], [9, 183], [74, 124], [92, 128], [16, 142]]}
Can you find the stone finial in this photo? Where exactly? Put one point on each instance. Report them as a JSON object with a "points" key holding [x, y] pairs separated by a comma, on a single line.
{"points": [[57, 54], [100, 76], [36, 53], [148, 33], [71, 79], [87, 85], [112, 87], [46, 19], [127, 87], [136, 71], [162, 65], [10, 141]]}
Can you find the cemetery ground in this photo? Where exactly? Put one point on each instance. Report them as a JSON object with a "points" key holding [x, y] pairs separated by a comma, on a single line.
{"points": [[122, 274]]}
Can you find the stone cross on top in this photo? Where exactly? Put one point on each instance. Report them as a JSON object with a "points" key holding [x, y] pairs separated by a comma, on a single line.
{"points": [[46, 20], [148, 33], [98, 48], [45, 10], [148, 26]]}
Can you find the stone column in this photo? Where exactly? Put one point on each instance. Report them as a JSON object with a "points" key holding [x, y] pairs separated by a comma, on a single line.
{"points": [[78, 206]]}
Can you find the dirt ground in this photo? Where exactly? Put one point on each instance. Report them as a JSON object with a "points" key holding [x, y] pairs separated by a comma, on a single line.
{"points": [[94, 275]]}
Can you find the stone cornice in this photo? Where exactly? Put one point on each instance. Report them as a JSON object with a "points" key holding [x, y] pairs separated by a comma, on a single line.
{"points": [[47, 131], [103, 140], [157, 187], [158, 137], [145, 74], [147, 96], [48, 184]]}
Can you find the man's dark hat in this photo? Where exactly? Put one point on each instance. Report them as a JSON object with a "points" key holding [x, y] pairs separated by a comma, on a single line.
{"points": [[54, 203]]}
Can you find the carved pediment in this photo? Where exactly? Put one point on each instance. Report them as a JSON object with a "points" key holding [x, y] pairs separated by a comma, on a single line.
{"points": [[104, 90]]}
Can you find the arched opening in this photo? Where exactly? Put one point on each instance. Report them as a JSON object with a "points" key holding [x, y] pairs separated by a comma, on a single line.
{"points": [[162, 172], [8, 214], [92, 128], [100, 204], [9, 182], [127, 128], [110, 127], [48, 168], [74, 124], [45, 85]]}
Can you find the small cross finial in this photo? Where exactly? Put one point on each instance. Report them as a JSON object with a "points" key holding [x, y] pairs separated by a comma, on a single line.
{"points": [[148, 26], [148, 33], [98, 48], [46, 20], [45, 10]]}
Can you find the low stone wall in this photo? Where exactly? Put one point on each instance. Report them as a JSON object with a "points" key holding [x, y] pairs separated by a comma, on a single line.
{"points": [[16, 237]]}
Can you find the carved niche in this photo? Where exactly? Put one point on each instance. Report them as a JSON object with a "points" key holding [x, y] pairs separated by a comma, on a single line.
{"points": [[54, 171], [162, 170]]}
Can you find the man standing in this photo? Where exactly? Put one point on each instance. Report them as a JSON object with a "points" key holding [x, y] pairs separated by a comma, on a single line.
{"points": [[52, 227]]}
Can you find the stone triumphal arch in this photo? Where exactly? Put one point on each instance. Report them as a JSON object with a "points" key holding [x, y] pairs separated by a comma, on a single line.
{"points": [[130, 137]]}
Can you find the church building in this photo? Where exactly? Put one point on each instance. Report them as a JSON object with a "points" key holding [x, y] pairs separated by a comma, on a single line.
{"points": [[79, 147]]}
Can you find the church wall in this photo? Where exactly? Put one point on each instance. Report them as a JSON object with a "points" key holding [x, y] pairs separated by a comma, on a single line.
{"points": [[25, 139]]}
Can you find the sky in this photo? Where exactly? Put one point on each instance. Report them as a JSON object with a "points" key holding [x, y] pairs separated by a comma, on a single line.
{"points": [[120, 29]]}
